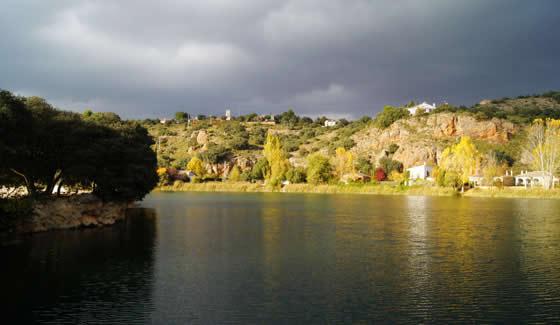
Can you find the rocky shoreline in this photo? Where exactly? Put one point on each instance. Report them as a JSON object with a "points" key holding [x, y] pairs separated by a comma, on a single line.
{"points": [[69, 212]]}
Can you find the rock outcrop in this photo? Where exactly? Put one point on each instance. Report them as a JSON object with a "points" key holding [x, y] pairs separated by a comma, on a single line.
{"points": [[422, 139], [72, 212]]}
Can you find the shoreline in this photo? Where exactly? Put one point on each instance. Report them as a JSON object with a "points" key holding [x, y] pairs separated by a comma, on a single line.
{"points": [[365, 189], [245, 187]]}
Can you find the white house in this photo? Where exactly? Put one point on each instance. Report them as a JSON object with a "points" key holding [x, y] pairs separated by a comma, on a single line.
{"points": [[420, 172], [329, 123], [424, 106], [537, 178], [228, 115]]}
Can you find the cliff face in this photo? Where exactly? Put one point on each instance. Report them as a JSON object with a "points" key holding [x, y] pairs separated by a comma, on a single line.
{"points": [[422, 139], [72, 212]]}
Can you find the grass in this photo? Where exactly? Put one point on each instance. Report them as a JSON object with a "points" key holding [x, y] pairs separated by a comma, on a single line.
{"points": [[215, 187], [308, 188], [514, 192], [381, 189]]}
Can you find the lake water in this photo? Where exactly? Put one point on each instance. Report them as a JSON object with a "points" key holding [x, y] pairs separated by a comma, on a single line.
{"points": [[213, 258]]}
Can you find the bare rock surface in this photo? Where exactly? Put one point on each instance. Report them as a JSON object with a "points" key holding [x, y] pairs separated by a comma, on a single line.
{"points": [[422, 139], [72, 212]]}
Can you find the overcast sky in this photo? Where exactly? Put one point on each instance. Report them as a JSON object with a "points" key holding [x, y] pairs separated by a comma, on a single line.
{"points": [[340, 58]]}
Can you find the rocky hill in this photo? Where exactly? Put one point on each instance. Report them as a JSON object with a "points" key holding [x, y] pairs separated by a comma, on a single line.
{"points": [[494, 125], [422, 139]]}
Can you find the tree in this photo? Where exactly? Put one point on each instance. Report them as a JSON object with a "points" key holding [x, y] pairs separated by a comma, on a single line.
{"points": [[43, 147], [234, 174], [492, 168], [380, 174], [215, 154], [276, 158], [389, 115], [364, 166], [318, 169], [288, 118], [196, 166], [181, 116], [462, 159], [544, 147], [344, 162], [389, 165], [260, 169]]}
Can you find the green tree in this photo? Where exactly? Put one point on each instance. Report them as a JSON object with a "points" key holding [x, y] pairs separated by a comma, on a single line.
{"points": [[42, 147], [363, 165], [389, 165], [389, 115], [181, 116], [215, 154], [296, 175], [260, 169], [318, 169]]}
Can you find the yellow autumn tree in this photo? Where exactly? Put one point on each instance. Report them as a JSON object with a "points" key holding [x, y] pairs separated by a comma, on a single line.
{"points": [[462, 158], [492, 168], [544, 147], [234, 174], [276, 158], [344, 162], [196, 166]]}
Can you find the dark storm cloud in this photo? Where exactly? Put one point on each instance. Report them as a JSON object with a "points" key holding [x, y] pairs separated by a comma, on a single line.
{"points": [[340, 58]]}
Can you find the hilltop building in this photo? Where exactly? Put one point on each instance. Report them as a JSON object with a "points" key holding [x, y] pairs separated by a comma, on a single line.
{"points": [[425, 107]]}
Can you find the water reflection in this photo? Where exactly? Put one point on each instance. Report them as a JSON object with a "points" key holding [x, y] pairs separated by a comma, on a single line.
{"points": [[97, 276], [281, 258]]}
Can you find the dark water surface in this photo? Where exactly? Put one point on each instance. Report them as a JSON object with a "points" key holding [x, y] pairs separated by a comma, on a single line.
{"points": [[210, 258]]}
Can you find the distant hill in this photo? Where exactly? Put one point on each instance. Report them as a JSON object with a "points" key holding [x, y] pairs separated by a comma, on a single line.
{"points": [[495, 125]]}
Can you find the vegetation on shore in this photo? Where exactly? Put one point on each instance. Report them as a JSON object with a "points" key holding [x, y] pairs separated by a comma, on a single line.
{"points": [[514, 192], [371, 188], [43, 149]]}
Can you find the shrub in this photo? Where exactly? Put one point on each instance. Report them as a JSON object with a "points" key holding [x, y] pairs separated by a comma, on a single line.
{"points": [[379, 174], [296, 175], [234, 174], [389, 165], [389, 115], [215, 154], [318, 169]]}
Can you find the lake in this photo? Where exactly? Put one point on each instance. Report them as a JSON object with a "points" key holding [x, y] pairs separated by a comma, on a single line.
{"points": [[262, 258]]}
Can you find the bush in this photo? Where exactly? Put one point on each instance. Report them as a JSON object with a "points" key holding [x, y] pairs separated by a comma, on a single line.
{"points": [[389, 165], [234, 174], [215, 154], [380, 174], [318, 169], [296, 175], [389, 115], [260, 169]]}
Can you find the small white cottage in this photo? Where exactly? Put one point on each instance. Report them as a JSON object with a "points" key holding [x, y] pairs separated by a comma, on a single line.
{"points": [[420, 172], [330, 123], [422, 107]]}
